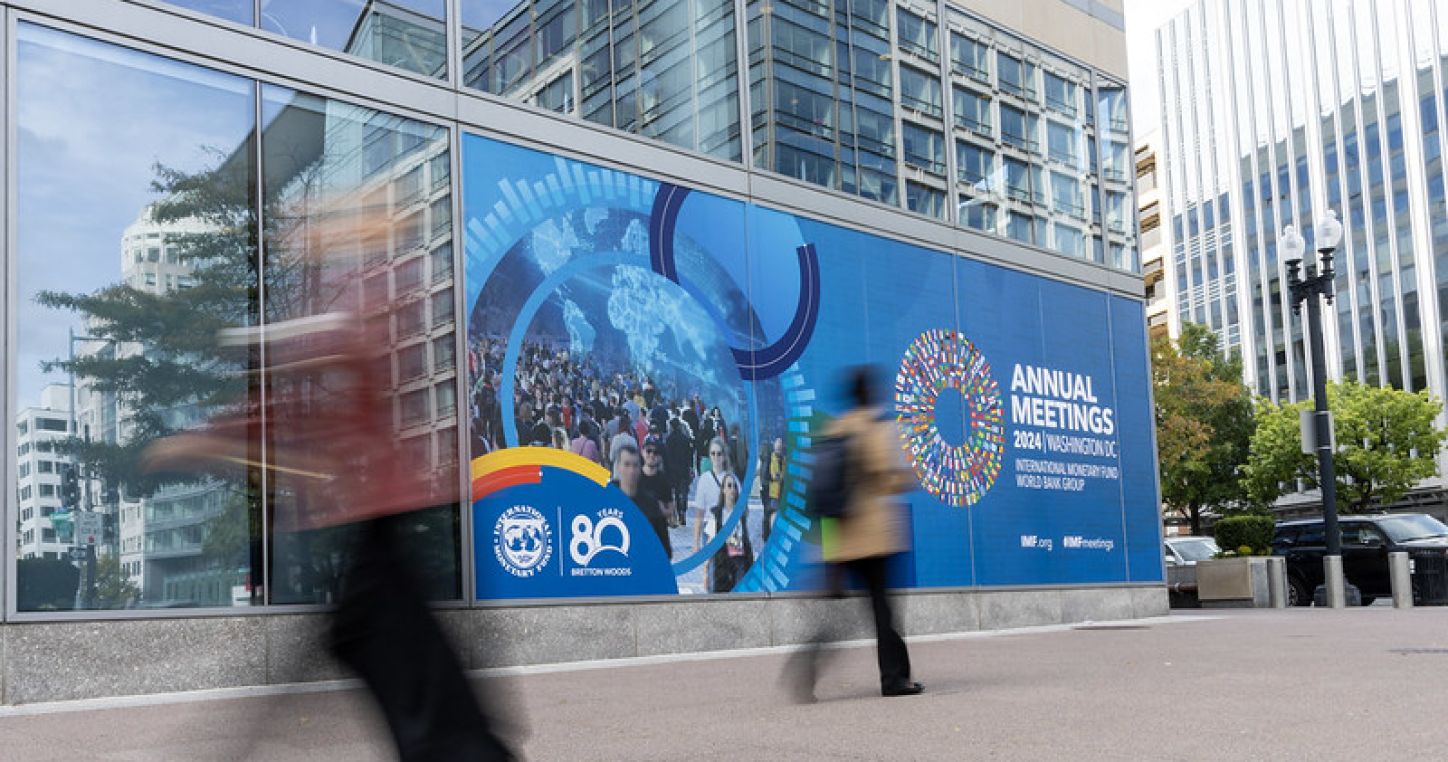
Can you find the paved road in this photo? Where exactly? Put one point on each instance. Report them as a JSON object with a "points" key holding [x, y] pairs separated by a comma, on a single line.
{"points": [[1357, 684]]}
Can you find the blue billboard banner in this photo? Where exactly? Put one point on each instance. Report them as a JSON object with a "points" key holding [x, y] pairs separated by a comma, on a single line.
{"points": [[648, 366]]}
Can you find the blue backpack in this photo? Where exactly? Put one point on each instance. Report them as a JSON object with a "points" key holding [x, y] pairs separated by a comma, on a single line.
{"points": [[832, 479]]}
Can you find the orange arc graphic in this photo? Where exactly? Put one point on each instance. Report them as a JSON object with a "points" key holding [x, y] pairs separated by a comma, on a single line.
{"points": [[523, 465]]}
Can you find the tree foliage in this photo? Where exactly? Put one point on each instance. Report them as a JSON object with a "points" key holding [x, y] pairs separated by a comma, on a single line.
{"points": [[1203, 423], [153, 354], [1387, 441], [157, 353]]}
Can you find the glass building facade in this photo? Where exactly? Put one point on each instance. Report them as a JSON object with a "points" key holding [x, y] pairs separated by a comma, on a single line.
{"points": [[205, 177], [948, 116], [1275, 111]]}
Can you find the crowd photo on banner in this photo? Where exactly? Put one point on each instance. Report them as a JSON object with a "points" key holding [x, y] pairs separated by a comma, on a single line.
{"points": [[675, 455]]}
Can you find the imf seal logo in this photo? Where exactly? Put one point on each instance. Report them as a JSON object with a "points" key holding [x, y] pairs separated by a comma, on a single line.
{"points": [[522, 541]]}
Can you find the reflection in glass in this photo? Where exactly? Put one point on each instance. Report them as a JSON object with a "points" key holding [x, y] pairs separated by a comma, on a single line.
{"points": [[358, 213], [660, 68], [832, 117], [122, 305], [240, 11], [408, 34]]}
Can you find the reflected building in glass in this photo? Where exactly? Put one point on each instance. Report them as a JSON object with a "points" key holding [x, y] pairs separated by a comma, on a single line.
{"points": [[1275, 111], [41, 470], [666, 69], [957, 119], [962, 121]]}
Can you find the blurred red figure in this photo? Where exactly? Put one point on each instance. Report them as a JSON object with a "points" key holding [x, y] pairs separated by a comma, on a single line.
{"points": [[330, 458]]}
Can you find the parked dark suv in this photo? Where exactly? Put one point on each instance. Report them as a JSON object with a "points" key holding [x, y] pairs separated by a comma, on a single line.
{"points": [[1366, 543]]}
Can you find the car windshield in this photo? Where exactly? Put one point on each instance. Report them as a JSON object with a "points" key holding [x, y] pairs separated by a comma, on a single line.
{"points": [[1196, 549], [1413, 527]]}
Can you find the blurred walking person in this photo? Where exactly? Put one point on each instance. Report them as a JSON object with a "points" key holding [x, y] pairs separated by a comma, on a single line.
{"points": [[332, 449], [861, 543]]}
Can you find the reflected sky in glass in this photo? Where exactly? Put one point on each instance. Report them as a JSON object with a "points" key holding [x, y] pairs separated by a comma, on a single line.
{"points": [[240, 11], [92, 122], [408, 34], [480, 14]]}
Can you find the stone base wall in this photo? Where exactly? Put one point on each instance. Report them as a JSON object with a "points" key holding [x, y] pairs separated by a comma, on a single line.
{"points": [[60, 661]]}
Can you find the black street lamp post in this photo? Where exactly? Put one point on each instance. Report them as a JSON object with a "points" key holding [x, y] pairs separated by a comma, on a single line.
{"points": [[1311, 286]]}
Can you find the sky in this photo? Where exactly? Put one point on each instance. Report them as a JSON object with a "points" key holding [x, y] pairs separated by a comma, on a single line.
{"points": [[92, 119], [1143, 17]]}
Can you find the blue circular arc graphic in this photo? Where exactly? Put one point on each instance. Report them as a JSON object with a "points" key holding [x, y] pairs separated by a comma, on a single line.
{"points": [[754, 364]]}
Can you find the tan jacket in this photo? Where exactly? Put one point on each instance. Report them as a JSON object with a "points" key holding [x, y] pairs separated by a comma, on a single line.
{"points": [[874, 521]]}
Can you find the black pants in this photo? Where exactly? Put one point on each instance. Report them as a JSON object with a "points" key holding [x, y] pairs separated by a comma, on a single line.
{"points": [[890, 651], [383, 630]]}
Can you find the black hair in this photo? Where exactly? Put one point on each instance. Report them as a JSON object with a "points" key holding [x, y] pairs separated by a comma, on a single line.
{"points": [[862, 387]]}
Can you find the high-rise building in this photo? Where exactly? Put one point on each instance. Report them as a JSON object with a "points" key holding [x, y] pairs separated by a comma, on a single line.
{"points": [[41, 471], [1153, 246], [1275, 111]]}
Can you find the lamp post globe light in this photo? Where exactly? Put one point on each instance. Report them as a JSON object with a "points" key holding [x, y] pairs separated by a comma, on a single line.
{"points": [[1311, 284]]}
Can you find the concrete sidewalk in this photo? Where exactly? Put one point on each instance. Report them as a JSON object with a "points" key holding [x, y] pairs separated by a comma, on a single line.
{"points": [[1354, 684]]}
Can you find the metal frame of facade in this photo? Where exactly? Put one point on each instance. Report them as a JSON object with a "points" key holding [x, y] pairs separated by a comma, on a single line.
{"points": [[153, 27]]}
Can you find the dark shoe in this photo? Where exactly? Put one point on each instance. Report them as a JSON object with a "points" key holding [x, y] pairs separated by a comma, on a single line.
{"points": [[903, 689]]}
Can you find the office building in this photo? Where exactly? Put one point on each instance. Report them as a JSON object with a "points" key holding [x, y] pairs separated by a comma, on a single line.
{"points": [[585, 226]]}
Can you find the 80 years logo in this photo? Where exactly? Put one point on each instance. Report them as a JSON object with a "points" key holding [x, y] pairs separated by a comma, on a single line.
{"points": [[591, 538], [522, 540]]}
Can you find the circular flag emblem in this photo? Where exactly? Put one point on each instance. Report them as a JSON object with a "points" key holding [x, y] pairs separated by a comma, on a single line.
{"points": [[942, 362]]}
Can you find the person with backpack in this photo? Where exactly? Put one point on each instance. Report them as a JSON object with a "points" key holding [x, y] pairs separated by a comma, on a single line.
{"points": [[854, 495]]}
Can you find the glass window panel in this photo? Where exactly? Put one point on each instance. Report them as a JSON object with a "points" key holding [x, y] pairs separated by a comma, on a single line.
{"points": [[924, 148], [1066, 195], [173, 143], [1060, 93], [1011, 73], [334, 167], [558, 95], [1113, 109], [972, 111], [925, 200], [917, 35], [408, 34], [975, 164], [1020, 226], [664, 70], [919, 90], [969, 57], [1069, 240], [240, 11], [979, 215], [1018, 179], [1062, 141], [1019, 128]]}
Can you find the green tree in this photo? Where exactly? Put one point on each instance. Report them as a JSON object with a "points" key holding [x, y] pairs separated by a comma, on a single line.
{"points": [[1204, 422], [160, 358], [155, 357], [113, 589], [1387, 441]]}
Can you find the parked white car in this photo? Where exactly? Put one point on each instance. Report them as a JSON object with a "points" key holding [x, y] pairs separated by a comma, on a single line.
{"points": [[1187, 551]]}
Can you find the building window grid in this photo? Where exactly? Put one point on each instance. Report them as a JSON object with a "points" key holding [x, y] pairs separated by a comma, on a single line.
{"points": [[613, 51]]}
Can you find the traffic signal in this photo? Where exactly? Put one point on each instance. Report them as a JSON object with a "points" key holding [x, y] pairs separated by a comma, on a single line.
{"points": [[69, 486]]}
